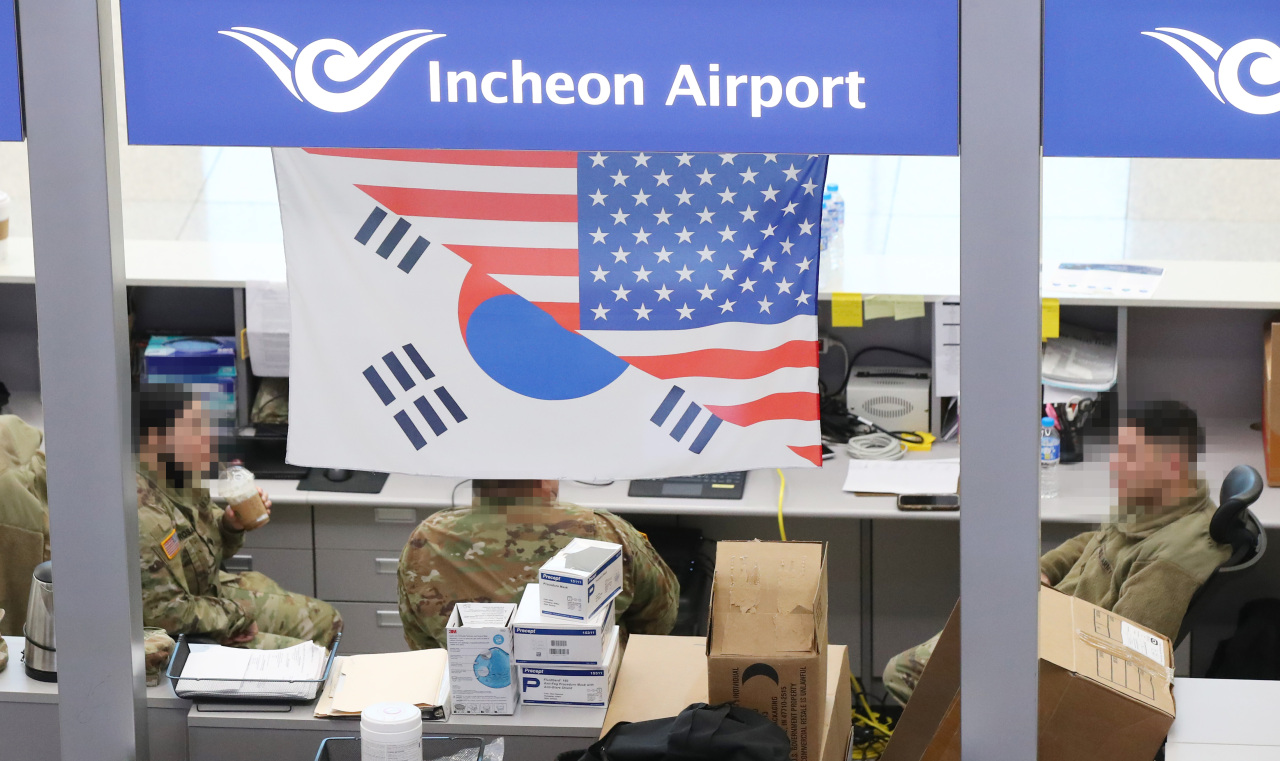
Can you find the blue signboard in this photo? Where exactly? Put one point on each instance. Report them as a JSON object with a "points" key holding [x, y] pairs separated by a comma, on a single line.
{"points": [[1172, 78], [828, 76], [10, 85]]}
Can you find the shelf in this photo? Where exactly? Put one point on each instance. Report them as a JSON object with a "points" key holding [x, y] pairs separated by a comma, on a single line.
{"points": [[190, 264]]}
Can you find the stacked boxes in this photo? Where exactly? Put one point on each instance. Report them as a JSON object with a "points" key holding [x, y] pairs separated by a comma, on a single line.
{"points": [[481, 662], [206, 364], [581, 579], [543, 640]]}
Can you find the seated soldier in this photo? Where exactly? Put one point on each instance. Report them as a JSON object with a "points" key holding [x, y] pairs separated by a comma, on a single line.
{"points": [[1151, 558], [24, 517], [183, 539], [489, 551]]}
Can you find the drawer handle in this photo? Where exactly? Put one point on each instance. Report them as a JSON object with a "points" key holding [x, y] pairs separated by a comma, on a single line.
{"points": [[395, 515], [388, 619], [239, 563], [386, 566]]}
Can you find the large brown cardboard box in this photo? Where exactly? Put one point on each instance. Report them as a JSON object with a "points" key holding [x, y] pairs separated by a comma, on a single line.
{"points": [[1106, 689], [660, 676], [1271, 404], [767, 640]]}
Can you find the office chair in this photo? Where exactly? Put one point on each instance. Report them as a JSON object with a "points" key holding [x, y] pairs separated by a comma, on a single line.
{"points": [[1235, 525]]}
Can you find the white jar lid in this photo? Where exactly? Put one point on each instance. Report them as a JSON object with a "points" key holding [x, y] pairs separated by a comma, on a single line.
{"points": [[391, 718]]}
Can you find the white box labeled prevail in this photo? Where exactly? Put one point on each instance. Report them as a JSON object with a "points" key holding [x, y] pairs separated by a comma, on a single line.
{"points": [[573, 685], [581, 579], [542, 639], [481, 661]]}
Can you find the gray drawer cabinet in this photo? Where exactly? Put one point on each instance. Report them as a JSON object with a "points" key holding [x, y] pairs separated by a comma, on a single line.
{"points": [[371, 627], [292, 569], [289, 529], [366, 528], [357, 575]]}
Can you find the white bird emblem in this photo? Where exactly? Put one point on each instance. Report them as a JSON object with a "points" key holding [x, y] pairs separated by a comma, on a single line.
{"points": [[1220, 71]]}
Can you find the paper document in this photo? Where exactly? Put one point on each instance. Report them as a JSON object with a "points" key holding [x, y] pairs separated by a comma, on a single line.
{"points": [[412, 677], [903, 476], [1081, 359], [946, 348], [1131, 281], [218, 670], [267, 323]]}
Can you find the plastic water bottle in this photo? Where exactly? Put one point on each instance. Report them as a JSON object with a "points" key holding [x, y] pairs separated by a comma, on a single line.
{"points": [[832, 222], [1050, 454]]}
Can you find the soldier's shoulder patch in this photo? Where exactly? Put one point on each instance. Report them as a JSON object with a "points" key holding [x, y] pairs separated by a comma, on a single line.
{"points": [[171, 544]]}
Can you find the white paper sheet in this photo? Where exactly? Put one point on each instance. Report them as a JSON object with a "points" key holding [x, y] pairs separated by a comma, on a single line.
{"points": [[946, 348], [904, 476], [235, 671], [266, 307]]}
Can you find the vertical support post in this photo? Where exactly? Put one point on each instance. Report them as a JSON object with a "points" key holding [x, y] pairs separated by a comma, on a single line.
{"points": [[69, 87], [1000, 375], [866, 603]]}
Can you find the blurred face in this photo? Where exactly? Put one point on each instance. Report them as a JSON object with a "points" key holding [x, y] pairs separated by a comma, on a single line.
{"points": [[1145, 470], [515, 491], [188, 444]]}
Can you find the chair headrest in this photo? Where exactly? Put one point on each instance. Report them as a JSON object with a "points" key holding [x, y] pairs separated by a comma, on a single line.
{"points": [[1241, 488], [1243, 483]]}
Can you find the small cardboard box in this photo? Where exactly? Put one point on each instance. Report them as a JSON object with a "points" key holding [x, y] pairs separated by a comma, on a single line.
{"points": [[1106, 689], [573, 685], [542, 639], [581, 579], [1271, 404], [481, 661], [661, 676], [767, 643]]}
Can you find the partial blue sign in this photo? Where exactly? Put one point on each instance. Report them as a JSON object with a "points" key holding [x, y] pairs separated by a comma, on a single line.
{"points": [[10, 83], [828, 76], [1162, 78]]}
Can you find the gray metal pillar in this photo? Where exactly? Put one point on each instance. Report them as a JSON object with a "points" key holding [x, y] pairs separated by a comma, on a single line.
{"points": [[999, 375], [73, 150]]}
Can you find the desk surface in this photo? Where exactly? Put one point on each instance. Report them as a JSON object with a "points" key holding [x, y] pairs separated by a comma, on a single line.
{"points": [[17, 687]]}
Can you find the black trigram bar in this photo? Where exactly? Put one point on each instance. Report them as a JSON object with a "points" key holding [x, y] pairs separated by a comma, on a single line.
{"points": [[370, 225], [668, 404], [393, 238]]}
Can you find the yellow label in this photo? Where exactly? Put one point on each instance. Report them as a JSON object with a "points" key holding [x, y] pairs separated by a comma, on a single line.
{"points": [[721, 486], [171, 545], [846, 310], [908, 307], [876, 307], [1049, 312]]}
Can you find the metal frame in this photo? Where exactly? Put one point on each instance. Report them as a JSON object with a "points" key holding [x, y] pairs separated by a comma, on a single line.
{"points": [[1000, 83], [73, 151]]}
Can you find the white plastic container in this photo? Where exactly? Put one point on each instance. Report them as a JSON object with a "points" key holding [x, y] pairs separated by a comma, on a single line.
{"points": [[391, 732]]}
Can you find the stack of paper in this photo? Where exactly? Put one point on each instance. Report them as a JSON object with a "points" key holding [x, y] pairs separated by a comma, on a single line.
{"points": [[358, 681], [903, 476], [1080, 360], [290, 674]]}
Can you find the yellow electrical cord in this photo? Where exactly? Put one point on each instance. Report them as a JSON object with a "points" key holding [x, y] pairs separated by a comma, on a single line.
{"points": [[782, 492], [872, 720]]}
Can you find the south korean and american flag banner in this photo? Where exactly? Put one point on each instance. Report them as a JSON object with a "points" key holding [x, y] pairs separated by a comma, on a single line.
{"points": [[512, 314]]}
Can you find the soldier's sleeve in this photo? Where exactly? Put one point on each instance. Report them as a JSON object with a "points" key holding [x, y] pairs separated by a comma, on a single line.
{"points": [[167, 603], [655, 592], [409, 585], [1057, 562], [1156, 595], [232, 541]]}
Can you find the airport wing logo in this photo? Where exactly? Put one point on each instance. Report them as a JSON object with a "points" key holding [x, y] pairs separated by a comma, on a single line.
{"points": [[296, 68], [1220, 70]]}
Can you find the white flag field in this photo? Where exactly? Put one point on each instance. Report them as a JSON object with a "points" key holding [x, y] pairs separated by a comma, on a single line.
{"points": [[513, 314]]}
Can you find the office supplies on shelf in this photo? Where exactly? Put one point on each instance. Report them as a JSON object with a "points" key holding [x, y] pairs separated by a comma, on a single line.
{"points": [[267, 325], [229, 674], [420, 677], [903, 476], [707, 486], [1081, 359]]}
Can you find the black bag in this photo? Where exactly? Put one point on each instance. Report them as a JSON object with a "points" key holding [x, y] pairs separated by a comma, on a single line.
{"points": [[700, 733], [1253, 652]]}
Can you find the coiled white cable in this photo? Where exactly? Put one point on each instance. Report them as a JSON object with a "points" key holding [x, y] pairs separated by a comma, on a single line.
{"points": [[875, 446]]}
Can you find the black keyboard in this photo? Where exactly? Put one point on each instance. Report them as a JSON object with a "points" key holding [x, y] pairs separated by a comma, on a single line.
{"points": [[710, 486]]}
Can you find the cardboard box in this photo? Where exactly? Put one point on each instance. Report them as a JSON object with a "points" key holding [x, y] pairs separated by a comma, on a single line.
{"points": [[581, 579], [767, 643], [1271, 404], [661, 676], [1106, 689], [481, 661], [573, 685], [548, 639]]}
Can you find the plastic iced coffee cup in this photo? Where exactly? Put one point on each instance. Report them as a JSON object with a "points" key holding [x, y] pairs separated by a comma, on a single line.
{"points": [[237, 487]]}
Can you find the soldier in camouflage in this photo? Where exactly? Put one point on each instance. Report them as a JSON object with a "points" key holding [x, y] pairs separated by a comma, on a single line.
{"points": [[489, 551], [4, 648], [183, 539]]}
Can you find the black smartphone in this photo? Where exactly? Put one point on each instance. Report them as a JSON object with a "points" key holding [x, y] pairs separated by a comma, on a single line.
{"points": [[912, 502], [827, 452]]}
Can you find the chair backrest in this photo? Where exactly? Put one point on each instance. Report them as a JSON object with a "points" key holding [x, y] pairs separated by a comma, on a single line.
{"points": [[1232, 524]]}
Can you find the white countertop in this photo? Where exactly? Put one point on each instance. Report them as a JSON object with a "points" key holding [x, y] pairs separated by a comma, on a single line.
{"points": [[1226, 712], [17, 687]]}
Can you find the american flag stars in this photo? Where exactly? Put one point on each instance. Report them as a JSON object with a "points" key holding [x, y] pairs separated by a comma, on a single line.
{"points": [[733, 232]]}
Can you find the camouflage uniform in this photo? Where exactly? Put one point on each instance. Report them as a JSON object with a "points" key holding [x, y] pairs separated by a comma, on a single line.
{"points": [[158, 646], [488, 553], [271, 403], [1143, 567], [4, 648], [183, 542]]}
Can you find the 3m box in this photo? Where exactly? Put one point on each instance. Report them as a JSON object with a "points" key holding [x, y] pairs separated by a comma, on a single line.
{"points": [[1271, 404], [573, 685], [767, 646], [1106, 689], [551, 640], [481, 664], [581, 579]]}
